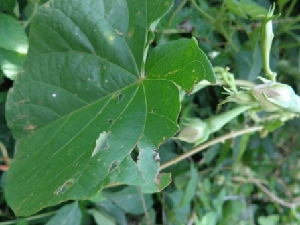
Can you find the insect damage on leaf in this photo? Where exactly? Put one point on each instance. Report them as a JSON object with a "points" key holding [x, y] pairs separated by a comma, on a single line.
{"points": [[120, 97], [63, 188], [156, 156], [113, 165], [102, 142]]}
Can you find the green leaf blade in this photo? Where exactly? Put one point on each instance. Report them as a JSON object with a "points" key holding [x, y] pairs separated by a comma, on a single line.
{"points": [[61, 154], [11, 63], [148, 165], [101, 218], [235, 7], [180, 61], [162, 112], [156, 9], [68, 214], [12, 35], [8, 6], [95, 34], [130, 200], [253, 9], [74, 81]]}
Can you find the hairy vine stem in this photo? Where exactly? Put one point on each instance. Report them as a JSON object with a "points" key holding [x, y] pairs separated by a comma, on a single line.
{"points": [[210, 143]]}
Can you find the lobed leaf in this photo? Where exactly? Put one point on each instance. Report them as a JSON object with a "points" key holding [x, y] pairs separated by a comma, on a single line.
{"points": [[83, 103]]}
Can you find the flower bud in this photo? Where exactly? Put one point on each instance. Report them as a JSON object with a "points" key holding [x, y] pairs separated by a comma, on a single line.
{"points": [[273, 96], [194, 131], [197, 131]]}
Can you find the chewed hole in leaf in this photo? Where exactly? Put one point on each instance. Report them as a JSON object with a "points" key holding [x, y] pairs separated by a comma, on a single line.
{"points": [[110, 121], [156, 156], [113, 165], [63, 188], [120, 97], [102, 142]]}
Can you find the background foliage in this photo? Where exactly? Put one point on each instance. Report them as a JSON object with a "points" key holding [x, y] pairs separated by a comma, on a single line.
{"points": [[252, 179]]}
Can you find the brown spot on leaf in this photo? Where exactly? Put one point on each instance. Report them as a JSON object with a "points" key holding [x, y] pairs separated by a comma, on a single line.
{"points": [[157, 178], [130, 34]]}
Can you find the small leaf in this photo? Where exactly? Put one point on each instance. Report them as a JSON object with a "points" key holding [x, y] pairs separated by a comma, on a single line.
{"points": [[11, 63], [273, 125], [101, 218], [180, 61], [114, 211], [126, 173], [156, 10], [8, 6], [150, 219], [68, 214], [179, 213], [246, 7], [252, 9], [159, 107], [12, 35], [211, 153], [129, 199], [281, 4], [235, 7], [243, 60], [268, 220], [149, 167], [190, 189], [256, 66], [240, 146], [210, 218]]}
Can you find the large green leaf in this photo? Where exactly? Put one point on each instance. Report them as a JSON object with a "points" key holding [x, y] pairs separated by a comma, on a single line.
{"points": [[83, 102]]}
